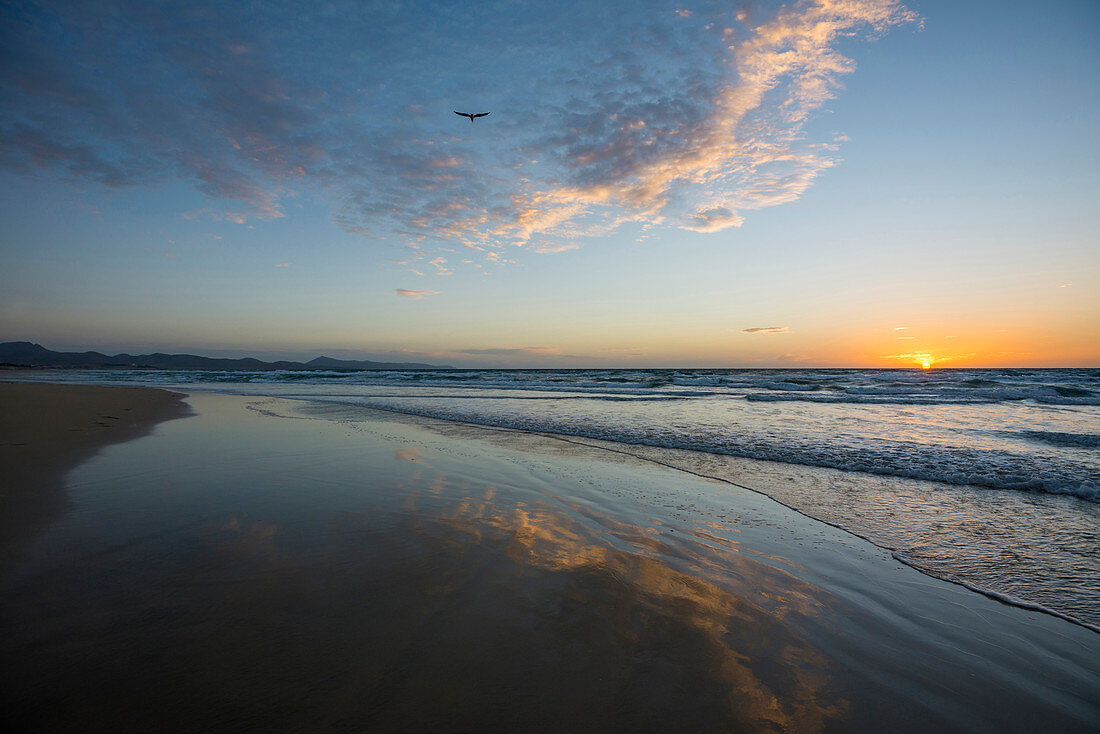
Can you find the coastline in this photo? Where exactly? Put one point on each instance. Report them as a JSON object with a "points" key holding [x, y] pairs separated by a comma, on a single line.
{"points": [[46, 430], [381, 572], [692, 465]]}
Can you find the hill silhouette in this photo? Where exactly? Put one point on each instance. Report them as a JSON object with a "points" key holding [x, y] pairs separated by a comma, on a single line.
{"points": [[28, 354]]}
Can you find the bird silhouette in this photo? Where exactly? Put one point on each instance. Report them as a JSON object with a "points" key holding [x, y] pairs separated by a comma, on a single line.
{"points": [[471, 115]]}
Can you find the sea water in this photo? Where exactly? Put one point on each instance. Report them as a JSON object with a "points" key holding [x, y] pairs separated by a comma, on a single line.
{"points": [[987, 477]]}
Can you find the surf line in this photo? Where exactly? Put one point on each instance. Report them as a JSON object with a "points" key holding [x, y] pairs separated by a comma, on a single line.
{"points": [[897, 555], [894, 552]]}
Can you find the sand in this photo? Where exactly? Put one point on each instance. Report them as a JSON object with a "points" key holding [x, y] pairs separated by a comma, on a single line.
{"points": [[46, 430], [266, 565]]}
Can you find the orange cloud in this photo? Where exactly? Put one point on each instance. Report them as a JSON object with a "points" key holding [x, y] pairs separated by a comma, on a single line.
{"points": [[416, 295], [745, 155]]}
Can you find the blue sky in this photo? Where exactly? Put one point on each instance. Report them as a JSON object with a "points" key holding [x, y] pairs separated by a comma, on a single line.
{"points": [[840, 182]]}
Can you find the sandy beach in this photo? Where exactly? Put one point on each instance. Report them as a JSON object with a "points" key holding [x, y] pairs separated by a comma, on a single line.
{"points": [[46, 430], [269, 564]]}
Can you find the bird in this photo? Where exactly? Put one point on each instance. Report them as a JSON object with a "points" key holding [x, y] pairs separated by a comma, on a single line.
{"points": [[471, 115]]}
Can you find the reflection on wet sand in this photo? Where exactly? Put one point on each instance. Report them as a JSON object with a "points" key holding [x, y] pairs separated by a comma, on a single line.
{"points": [[484, 611], [647, 642], [271, 575]]}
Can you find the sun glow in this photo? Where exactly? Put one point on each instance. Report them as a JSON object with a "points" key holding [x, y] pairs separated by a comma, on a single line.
{"points": [[925, 360]]}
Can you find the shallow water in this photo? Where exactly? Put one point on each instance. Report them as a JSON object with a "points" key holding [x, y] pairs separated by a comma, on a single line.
{"points": [[263, 566], [988, 477]]}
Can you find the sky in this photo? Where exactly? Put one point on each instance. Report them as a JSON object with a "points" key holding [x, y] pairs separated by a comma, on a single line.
{"points": [[862, 183]]}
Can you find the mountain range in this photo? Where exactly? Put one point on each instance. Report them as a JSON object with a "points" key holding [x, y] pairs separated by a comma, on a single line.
{"points": [[28, 354]]}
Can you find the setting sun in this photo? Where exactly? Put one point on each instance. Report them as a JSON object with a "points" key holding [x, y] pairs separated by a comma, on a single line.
{"points": [[926, 366]]}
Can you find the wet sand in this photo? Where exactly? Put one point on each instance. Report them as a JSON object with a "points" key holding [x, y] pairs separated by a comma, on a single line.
{"points": [[269, 565], [46, 430]]}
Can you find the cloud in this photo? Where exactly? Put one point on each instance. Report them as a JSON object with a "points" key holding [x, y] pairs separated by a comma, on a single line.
{"points": [[523, 355], [912, 356], [608, 116], [124, 94], [552, 248], [540, 351], [901, 328], [282, 265], [767, 330], [440, 265], [919, 357], [713, 220], [624, 352], [696, 163], [406, 293]]}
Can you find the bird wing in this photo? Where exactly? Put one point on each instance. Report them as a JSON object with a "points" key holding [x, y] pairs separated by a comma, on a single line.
{"points": [[480, 114], [461, 114]]}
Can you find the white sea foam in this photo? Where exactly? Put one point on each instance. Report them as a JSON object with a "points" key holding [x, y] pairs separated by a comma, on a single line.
{"points": [[993, 469]]}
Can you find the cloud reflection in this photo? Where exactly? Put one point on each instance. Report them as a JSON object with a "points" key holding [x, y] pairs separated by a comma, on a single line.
{"points": [[472, 597], [624, 593]]}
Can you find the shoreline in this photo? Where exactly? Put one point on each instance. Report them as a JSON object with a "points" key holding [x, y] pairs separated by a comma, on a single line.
{"points": [[381, 573], [896, 554], [48, 429], [610, 446], [642, 453]]}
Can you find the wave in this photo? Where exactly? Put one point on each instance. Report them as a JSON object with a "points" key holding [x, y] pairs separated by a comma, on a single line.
{"points": [[707, 381], [992, 469], [760, 390], [885, 397], [1000, 596], [1074, 387], [792, 385], [1058, 438], [1040, 440]]}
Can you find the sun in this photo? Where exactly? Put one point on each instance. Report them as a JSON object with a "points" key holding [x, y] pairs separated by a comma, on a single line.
{"points": [[926, 366]]}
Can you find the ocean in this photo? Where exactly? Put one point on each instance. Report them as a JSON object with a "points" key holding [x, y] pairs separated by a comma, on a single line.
{"points": [[986, 477]]}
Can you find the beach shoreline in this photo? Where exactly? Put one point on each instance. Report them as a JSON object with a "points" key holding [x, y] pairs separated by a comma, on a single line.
{"points": [[48, 429], [377, 572]]}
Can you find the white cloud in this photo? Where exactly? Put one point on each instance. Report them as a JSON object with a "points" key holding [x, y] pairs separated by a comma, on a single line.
{"points": [[552, 248]]}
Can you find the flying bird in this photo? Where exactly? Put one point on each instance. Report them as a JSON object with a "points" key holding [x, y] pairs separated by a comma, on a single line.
{"points": [[471, 115]]}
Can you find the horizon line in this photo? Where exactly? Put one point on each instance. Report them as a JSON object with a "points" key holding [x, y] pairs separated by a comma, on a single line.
{"points": [[421, 360]]}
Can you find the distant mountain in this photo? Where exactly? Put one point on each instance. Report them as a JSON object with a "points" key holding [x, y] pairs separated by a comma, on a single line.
{"points": [[26, 354]]}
